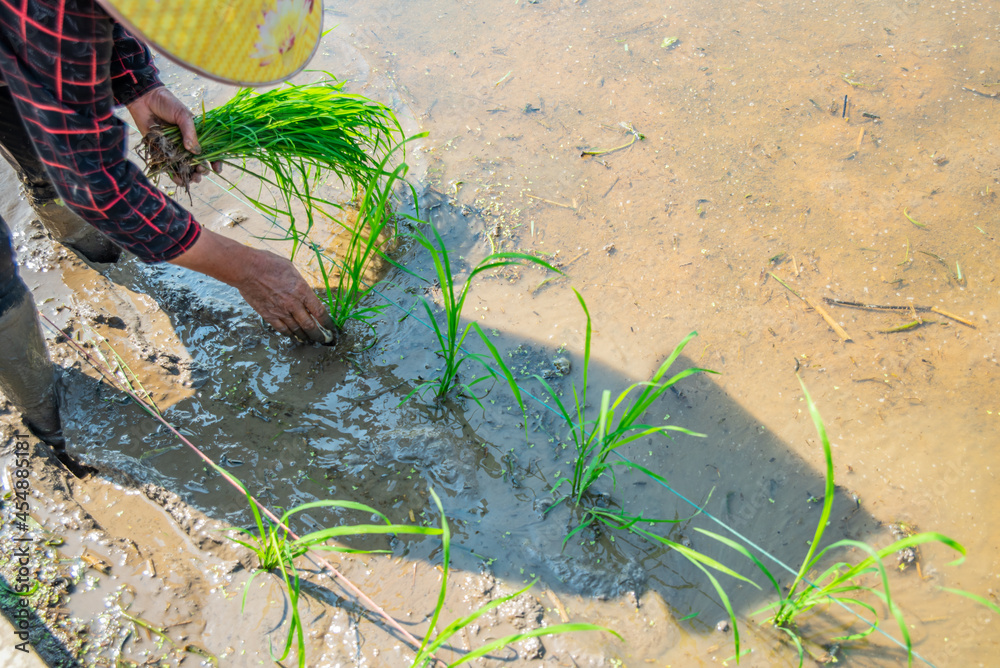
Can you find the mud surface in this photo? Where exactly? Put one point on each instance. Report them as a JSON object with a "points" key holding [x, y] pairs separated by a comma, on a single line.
{"points": [[749, 166]]}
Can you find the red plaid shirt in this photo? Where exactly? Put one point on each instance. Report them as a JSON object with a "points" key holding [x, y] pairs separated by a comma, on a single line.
{"points": [[68, 64]]}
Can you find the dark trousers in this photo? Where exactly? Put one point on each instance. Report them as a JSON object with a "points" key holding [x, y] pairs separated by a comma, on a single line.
{"points": [[17, 149]]}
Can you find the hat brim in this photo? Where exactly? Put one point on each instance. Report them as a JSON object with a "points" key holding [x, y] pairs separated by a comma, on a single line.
{"points": [[239, 42]]}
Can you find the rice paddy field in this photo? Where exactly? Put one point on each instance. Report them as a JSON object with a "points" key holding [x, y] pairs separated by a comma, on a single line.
{"points": [[760, 173]]}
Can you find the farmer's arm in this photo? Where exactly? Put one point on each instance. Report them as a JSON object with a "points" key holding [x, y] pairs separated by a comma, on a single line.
{"points": [[59, 74], [133, 73], [269, 283], [135, 83]]}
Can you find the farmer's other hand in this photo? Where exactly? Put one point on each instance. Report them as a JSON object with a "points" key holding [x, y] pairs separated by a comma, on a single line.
{"points": [[269, 283], [160, 107]]}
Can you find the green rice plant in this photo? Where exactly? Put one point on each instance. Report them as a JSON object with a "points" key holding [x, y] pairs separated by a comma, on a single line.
{"points": [[448, 328], [435, 640], [373, 231], [596, 437], [621, 521], [616, 424], [276, 550], [287, 138], [164, 637], [841, 582], [985, 602]]}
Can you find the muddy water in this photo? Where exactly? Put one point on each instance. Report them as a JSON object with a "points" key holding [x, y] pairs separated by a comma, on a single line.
{"points": [[750, 155], [749, 164]]}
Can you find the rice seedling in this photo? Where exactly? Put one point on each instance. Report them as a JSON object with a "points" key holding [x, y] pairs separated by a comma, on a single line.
{"points": [[621, 521], [985, 602], [373, 231], [841, 582], [596, 437], [161, 632], [275, 550], [616, 424], [286, 137], [434, 641], [450, 334]]}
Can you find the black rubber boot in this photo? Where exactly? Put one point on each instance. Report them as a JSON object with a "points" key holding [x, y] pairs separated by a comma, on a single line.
{"points": [[27, 377], [74, 232], [28, 380]]}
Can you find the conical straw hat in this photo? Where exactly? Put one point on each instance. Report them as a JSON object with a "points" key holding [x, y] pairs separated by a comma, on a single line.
{"points": [[247, 42]]}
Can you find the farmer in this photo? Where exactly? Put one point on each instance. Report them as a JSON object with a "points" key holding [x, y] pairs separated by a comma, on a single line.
{"points": [[65, 66]]}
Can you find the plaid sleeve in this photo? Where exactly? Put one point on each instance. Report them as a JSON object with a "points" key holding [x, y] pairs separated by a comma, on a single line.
{"points": [[56, 57], [133, 73]]}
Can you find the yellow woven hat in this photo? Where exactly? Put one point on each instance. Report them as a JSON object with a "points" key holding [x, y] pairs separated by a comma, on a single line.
{"points": [[247, 42]]}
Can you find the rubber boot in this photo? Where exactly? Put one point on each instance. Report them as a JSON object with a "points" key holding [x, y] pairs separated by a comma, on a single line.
{"points": [[28, 380], [73, 231], [27, 377]]}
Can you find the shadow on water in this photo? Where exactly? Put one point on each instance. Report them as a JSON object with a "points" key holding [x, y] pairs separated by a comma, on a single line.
{"points": [[297, 424]]}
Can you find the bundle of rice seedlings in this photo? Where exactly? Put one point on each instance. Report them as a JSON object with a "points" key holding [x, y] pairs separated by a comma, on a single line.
{"points": [[287, 137]]}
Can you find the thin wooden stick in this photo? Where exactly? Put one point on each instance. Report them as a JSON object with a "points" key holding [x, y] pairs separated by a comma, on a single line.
{"points": [[981, 93], [941, 311], [819, 309], [844, 302], [575, 259], [829, 319], [893, 307], [559, 606], [548, 201]]}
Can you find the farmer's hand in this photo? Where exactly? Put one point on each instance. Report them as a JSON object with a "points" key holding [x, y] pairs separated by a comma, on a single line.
{"points": [[269, 283], [160, 107], [276, 290]]}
